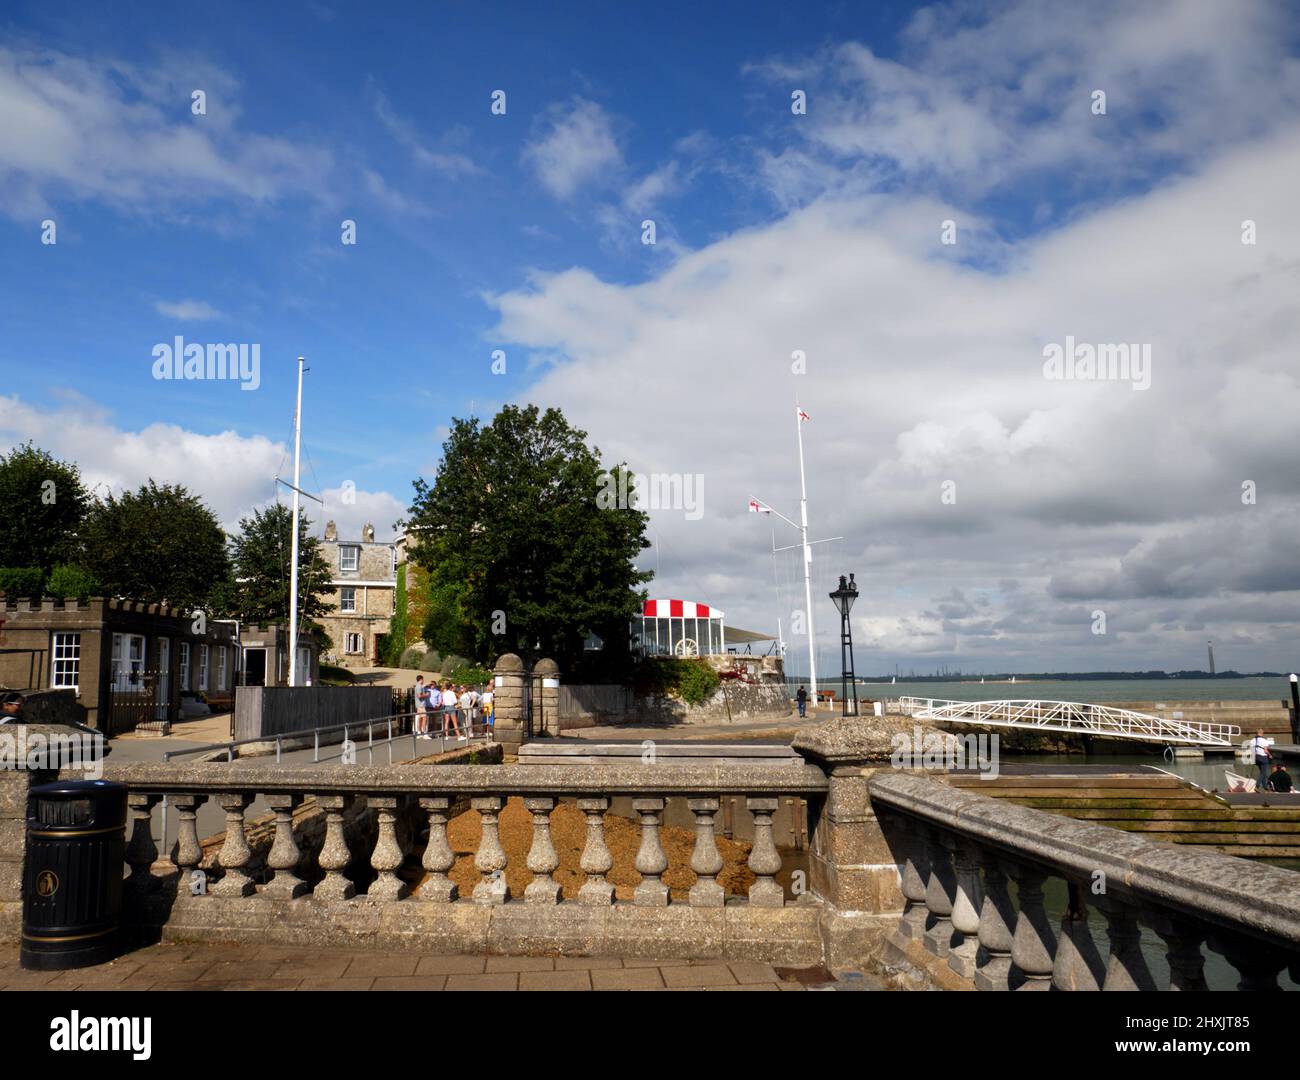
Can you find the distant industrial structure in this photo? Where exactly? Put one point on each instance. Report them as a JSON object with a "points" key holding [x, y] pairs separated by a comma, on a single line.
{"points": [[1211, 647]]}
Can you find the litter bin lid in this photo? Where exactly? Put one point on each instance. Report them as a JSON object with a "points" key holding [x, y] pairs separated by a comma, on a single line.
{"points": [[75, 804]]}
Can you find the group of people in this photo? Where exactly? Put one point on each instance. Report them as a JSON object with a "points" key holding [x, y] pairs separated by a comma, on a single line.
{"points": [[450, 703], [1272, 774]]}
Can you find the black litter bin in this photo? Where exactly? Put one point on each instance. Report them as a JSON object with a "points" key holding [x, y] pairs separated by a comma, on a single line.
{"points": [[72, 883]]}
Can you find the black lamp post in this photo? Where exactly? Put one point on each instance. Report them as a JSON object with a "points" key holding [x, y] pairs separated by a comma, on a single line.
{"points": [[844, 597]]}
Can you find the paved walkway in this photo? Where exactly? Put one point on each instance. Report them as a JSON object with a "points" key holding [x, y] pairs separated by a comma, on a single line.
{"points": [[249, 967]]}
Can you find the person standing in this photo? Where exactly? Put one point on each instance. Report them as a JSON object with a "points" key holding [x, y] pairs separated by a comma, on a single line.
{"points": [[1259, 746], [485, 703], [466, 703], [1279, 779], [449, 711], [802, 699], [421, 708], [11, 709]]}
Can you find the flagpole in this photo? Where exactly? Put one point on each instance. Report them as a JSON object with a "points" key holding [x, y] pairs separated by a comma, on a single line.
{"points": [[293, 557], [807, 555]]}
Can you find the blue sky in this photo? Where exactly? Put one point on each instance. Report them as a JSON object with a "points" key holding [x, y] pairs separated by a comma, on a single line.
{"points": [[776, 232]]}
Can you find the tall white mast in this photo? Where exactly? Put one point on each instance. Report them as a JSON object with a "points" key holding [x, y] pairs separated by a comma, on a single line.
{"points": [[293, 557], [807, 554]]}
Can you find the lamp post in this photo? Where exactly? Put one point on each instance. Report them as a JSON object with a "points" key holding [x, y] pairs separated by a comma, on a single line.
{"points": [[844, 597]]}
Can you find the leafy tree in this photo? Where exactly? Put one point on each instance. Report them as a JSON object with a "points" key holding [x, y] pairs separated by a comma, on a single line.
{"points": [[396, 644], [159, 544], [22, 581], [261, 554], [72, 581], [511, 522], [448, 628], [44, 504]]}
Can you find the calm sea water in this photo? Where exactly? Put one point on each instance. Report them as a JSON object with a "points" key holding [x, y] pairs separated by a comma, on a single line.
{"points": [[1152, 690]]}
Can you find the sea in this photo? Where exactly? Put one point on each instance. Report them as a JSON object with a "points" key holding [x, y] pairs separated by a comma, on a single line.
{"points": [[1080, 690]]}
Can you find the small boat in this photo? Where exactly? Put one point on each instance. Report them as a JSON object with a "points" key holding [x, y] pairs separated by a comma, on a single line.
{"points": [[893, 680], [1239, 783]]}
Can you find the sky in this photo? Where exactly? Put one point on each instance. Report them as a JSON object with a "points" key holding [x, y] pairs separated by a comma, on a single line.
{"points": [[915, 221]]}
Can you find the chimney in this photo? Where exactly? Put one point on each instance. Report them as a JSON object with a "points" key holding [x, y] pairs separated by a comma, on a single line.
{"points": [[368, 533], [331, 531]]}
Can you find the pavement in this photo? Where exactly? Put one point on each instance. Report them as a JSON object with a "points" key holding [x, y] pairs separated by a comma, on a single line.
{"points": [[262, 967]]}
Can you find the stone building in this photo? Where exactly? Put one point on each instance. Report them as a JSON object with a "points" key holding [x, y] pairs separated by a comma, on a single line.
{"points": [[362, 587]]}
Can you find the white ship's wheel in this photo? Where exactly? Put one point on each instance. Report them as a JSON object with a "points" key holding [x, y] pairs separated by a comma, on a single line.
{"points": [[687, 647]]}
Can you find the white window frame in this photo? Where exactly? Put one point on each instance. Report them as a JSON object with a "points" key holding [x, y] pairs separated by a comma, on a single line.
{"points": [[343, 599], [185, 665], [65, 660], [348, 640], [344, 551], [125, 663], [221, 667], [203, 667]]}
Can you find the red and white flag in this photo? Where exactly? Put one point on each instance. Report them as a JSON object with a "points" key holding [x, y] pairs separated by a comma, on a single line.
{"points": [[756, 507], [803, 415]]}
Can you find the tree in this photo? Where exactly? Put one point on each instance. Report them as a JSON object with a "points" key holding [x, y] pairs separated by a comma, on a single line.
{"points": [[159, 544], [396, 644], [44, 504], [261, 554], [520, 555]]}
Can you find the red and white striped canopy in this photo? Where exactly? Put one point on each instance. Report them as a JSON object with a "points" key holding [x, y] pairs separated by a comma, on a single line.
{"points": [[679, 609]]}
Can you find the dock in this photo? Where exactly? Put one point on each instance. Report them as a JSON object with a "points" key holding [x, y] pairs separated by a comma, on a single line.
{"points": [[1145, 799]]}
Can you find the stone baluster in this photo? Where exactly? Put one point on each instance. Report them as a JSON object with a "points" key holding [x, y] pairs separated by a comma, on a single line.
{"points": [[997, 917], [915, 871], [1078, 964], [1126, 968], [1257, 964], [764, 859], [491, 856], [142, 850], [235, 853], [387, 856], [285, 884], [334, 853], [705, 859], [1033, 944], [1182, 949], [596, 860], [940, 892], [964, 956], [651, 861], [438, 856], [188, 852], [542, 859]]}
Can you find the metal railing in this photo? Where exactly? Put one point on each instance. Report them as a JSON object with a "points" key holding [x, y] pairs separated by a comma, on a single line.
{"points": [[1073, 717], [395, 727]]}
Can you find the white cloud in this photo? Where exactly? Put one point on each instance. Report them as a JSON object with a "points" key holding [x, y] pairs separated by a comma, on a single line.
{"points": [[577, 148], [447, 161], [186, 310]]}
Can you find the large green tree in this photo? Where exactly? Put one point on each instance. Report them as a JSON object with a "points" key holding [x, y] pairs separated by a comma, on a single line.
{"points": [[44, 504], [159, 543], [261, 553], [520, 555]]}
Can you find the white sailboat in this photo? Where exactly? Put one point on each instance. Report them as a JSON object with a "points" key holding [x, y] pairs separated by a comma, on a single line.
{"points": [[893, 680]]}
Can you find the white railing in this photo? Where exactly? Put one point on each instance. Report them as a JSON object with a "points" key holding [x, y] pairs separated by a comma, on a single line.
{"points": [[1074, 717]]}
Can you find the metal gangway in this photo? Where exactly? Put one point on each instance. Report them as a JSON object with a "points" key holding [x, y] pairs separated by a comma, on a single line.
{"points": [[1074, 717]]}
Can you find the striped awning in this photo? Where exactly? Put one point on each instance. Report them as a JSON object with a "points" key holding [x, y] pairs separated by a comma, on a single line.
{"points": [[679, 609]]}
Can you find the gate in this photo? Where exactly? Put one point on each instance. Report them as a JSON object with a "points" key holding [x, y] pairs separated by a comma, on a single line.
{"points": [[136, 698]]}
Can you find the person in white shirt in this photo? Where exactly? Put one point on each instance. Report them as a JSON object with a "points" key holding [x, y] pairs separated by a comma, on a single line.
{"points": [[1259, 746], [467, 704], [449, 711], [485, 703], [421, 708]]}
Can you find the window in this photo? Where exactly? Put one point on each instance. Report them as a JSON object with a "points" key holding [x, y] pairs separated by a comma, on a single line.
{"points": [[349, 556], [353, 643], [185, 665], [203, 667], [127, 668], [394, 562], [348, 599], [221, 667], [66, 668]]}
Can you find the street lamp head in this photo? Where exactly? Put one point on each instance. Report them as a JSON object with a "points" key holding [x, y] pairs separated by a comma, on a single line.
{"points": [[845, 595]]}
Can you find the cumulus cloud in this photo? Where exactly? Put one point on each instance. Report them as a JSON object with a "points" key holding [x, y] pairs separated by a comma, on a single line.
{"points": [[575, 148]]}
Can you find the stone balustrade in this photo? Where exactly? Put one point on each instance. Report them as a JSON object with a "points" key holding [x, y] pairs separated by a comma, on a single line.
{"points": [[973, 871], [308, 895]]}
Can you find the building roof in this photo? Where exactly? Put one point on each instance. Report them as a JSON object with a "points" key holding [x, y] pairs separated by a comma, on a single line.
{"points": [[679, 609]]}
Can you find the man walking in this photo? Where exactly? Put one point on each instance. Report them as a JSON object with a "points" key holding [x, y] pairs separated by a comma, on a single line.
{"points": [[802, 699], [421, 708]]}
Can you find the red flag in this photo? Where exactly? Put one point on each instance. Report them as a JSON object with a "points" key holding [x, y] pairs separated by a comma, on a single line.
{"points": [[803, 416]]}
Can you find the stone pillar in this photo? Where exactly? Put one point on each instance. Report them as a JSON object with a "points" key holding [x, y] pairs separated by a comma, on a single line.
{"points": [[235, 852], [508, 702], [546, 698], [596, 860], [1033, 945], [852, 867], [334, 854]]}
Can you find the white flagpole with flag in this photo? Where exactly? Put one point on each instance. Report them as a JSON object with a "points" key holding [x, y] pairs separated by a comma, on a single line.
{"points": [[800, 418]]}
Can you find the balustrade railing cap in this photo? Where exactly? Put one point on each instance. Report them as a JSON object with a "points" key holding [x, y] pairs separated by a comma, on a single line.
{"points": [[852, 740], [546, 667], [508, 662]]}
